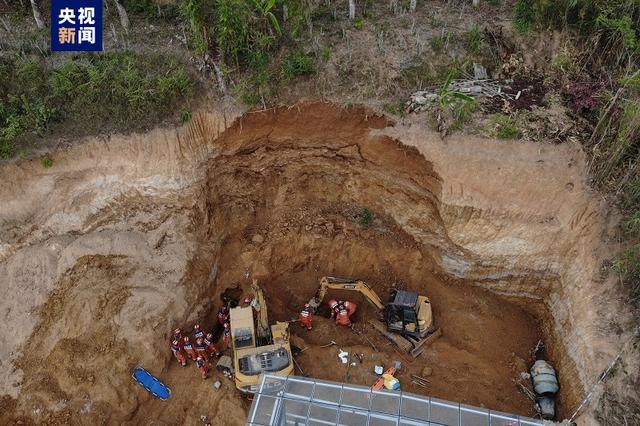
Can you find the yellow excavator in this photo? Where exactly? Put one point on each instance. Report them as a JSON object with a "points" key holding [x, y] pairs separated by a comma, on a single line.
{"points": [[408, 316], [257, 347]]}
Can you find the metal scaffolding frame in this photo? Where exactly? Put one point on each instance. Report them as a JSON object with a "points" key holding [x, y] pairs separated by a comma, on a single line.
{"points": [[303, 401]]}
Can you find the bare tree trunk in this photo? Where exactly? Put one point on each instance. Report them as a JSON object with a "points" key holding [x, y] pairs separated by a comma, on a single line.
{"points": [[412, 5], [476, 3], [36, 14], [124, 18], [352, 9]]}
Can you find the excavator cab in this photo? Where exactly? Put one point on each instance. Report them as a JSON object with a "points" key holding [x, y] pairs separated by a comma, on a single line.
{"points": [[409, 314]]}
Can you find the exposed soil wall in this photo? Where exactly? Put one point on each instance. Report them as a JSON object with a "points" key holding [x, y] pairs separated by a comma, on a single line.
{"points": [[124, 239]]}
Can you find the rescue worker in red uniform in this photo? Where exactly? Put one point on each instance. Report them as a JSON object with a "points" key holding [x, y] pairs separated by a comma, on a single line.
{"points": [[226, 335], [197, 332], [345, 311], [177, 335], [211, 347], [188, 348], [201, 349], [333, 306], [178, 352], [202, 366], [223, 315], [306, 316]]}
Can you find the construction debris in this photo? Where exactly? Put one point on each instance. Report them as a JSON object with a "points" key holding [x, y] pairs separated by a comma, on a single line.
{"points": [[479, 88], [423, 99]]}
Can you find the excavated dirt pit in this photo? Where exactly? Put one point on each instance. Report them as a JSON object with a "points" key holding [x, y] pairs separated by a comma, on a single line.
{"points": [[126, 239]]}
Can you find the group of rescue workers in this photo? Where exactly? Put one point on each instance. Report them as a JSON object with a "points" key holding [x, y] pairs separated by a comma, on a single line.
{"points": [[341, 310], [199, 345]]}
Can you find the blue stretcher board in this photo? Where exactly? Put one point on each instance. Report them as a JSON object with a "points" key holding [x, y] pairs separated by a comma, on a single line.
{"points": [[151, 383]]}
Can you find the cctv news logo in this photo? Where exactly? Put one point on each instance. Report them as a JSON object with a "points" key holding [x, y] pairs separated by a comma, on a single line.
{"points": [[76, 25]]}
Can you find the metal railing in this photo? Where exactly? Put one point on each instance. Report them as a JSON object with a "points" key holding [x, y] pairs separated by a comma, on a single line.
{"points": [[302, 401]]}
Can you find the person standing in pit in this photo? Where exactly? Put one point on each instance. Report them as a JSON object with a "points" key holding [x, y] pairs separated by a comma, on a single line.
{"points": [[211, 347], [345, 311], [197, 332], [201, 349], [333, 307], [306, 316], [223, 315], [188, 348], [202, 366], [177, 351], [226, 335]]}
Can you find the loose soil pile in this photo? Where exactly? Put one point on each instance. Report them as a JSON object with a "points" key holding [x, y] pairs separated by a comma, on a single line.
{"points": [[124, 239]]}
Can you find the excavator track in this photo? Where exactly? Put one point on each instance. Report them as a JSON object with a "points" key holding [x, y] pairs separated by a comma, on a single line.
{"points": [[400, 341], [413, 349], [421, 345]]}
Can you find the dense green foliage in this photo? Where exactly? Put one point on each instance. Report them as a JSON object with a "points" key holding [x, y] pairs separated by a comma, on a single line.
{"points": [[244, 37], [524, 15], [297, 64], [612, 24], [239, 30], [88, 93]]}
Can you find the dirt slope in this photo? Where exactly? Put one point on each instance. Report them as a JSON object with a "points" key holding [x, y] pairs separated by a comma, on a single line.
{"points": [[126, 238]]}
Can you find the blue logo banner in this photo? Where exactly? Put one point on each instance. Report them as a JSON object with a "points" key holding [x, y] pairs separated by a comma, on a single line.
{"points": [[76, 25]]}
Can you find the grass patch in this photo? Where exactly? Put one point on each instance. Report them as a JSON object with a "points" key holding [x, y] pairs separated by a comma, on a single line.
{"points": [[121, 88], [397, 108], [426, 74], [437, 43], [504, 127], [46, 162], [326, 54], [151, 9], [628, 266], [297, 64], [185, 116], [474, 39], [524, 15], [87, 94], [365, 218]]}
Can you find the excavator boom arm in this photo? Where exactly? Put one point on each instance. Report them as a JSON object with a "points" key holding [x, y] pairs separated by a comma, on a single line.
{"points": [[334, 283]]}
